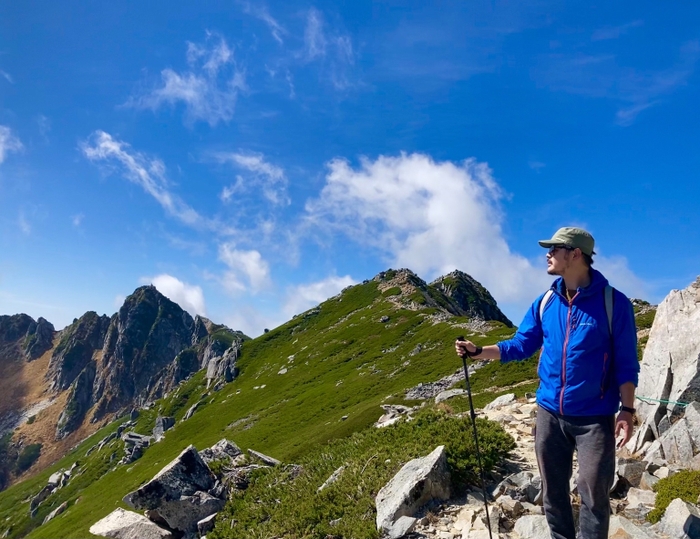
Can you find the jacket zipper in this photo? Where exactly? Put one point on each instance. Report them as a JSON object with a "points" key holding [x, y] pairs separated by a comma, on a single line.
{"points": [[605, 374], [563, 356]]}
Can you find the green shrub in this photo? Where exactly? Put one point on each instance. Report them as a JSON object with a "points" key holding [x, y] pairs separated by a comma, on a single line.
{"points": [[278, 504], [31, 419], [646, 320], [27, 457], [684, 485]]}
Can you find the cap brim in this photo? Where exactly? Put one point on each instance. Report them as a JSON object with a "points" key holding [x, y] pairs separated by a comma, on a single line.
{"points": [[548, 243]]}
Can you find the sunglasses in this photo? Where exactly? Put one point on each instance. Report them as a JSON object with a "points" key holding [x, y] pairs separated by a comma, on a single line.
{"points": [[554, 248]]}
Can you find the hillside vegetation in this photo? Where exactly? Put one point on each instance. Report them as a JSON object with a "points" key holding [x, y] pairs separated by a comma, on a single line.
{"points": [[306, 394]]}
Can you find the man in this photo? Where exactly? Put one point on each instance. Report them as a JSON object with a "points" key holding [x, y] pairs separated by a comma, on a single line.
{"points": [[585, 373]]}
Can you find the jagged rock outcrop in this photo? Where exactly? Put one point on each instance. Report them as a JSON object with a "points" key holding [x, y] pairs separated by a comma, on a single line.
{"points": [[147, 333], [75, 350], [469, 297], [670, 370], [78, 403], [23, 338], [455, 294]]}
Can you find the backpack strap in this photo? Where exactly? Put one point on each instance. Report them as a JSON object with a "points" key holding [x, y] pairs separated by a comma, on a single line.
{"points": [[609, 307], [543, 302]]}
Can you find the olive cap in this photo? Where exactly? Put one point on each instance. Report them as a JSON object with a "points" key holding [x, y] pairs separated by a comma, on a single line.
{"points": [[572, 237]]}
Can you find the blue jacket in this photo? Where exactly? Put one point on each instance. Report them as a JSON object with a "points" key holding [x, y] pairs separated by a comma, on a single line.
{"points": [[577, 375]]}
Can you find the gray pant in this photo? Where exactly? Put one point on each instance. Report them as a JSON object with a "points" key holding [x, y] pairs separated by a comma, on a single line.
{"points": [[593, 437]]}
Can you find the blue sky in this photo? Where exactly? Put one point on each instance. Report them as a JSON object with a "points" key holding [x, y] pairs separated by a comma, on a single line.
{"points": [[252, 159]]}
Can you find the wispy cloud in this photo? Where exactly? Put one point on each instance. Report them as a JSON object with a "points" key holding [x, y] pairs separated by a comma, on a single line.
{"points": [[77, 220], [615, 32], [261, 12], [8, 142], [314, 36], [246, 270], [270, 178], [23, 223], [208, 90], [7, 76], [189, 297], [600, 76], [146, 172], [44, 125], [537, 166]]}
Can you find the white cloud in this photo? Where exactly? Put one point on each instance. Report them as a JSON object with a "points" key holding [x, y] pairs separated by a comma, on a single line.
{"points": [[189, 297], [247, 270], [619, 275], [614, 32], [208, 90], [7, 76], [302, 297], [271, 178], [77, 220], [429, 216], [8, 142], [263, 14], [146, 172], [314, 37]]}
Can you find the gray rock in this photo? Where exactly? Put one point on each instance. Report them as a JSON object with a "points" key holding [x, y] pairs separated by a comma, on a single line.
{"points": [[498, 402], [122, 524], [631, 470], [670, 369], [418, 482], [222, 450], [268, 461], [677, 444], [55, 478], [184, 476], [511, 508], [162, 424], [185, 513], [53, 514], [622, 528], [403, 526], [43, 494], [448, 394], [332, 479], [206, 524], [636, 496], [532, 527], [190, 412], [648, 481], [680, 521], [392, 414]]}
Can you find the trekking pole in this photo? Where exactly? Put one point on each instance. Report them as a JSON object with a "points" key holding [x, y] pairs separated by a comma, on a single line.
{"points": [[464, 357]]}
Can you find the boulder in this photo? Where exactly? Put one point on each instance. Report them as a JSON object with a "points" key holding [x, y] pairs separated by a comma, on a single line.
{"points": [[332, 479], [206, 524], [268, 461], [122, 524], [53, 514], [185, 513], [670, 370], [448, 394], [392, 414], [162, 424], [184, 476], [222, 450], [532, 527], [418, 482], [499, 402], [631, 470], [636, 497], [622, 528], [680, 521]]}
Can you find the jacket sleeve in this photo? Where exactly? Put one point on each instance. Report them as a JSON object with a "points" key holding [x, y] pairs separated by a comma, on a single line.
{"points": [[625, 341], [528, 338]]}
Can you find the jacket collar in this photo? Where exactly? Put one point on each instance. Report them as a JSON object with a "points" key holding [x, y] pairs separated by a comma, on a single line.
{"points": [[597, 284]]}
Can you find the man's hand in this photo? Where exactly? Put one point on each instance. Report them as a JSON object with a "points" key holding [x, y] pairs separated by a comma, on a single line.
{"points": [[625, 426], [462, 347]]}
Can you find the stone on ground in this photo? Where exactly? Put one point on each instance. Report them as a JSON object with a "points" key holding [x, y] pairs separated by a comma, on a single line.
{"points": [[122, 524]]}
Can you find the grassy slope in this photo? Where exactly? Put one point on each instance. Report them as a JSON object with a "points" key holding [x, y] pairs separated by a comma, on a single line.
{"points": [[338, 368]]}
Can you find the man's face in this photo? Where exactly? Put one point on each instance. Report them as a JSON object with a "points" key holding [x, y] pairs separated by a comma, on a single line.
{"points": [[558, 260]]}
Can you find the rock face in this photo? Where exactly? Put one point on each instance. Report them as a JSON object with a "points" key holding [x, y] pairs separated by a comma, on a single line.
{"points": [[22, 338], [418, 482], [122, 524], [670, 371], [75, 350], [469, 297]]}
